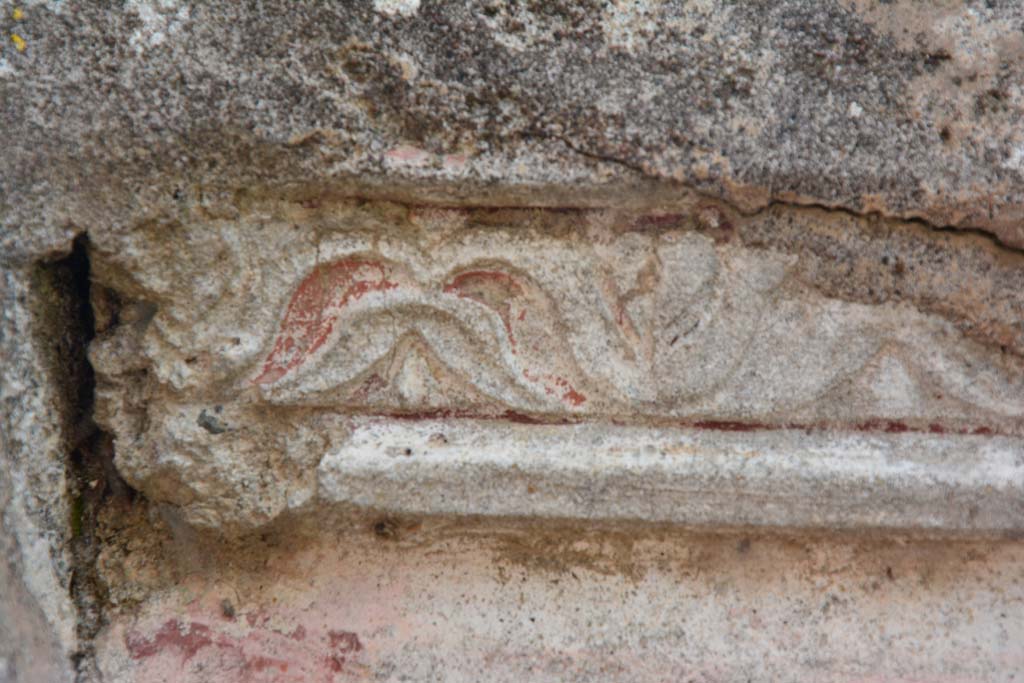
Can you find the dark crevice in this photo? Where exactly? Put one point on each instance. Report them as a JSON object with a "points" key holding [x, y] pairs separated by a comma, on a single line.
{"points": [[81, 325], [795, 205], [92, 480], [890, 218]]}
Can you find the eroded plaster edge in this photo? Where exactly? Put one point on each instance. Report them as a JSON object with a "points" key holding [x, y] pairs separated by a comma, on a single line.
{"points": [[32, 469]]}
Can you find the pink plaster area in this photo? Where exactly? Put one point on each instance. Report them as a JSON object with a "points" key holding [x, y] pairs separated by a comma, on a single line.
{"points": [[428, 605], [262, 631], [407, 154], [455, 162], [269, 628]]}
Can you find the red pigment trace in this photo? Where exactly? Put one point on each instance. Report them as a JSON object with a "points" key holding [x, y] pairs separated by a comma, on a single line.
{"points": [[887, 426], [188, 643], [314, 309], [261, 663], [493, 289], [345, 641], [498, 291], [469, 414], [569, 395], [343, 644], [170, 636], [731, 426], [175, 638], [517, 417]]}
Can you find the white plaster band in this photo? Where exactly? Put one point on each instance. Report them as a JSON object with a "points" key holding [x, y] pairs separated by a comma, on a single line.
{"points": [[780, 478]]}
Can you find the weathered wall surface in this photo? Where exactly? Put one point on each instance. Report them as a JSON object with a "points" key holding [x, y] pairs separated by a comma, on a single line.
{"points": [[129, 114], [413, 340]]}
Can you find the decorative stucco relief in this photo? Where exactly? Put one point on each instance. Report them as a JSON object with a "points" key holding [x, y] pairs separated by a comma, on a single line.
{"points": [[665, 326], [256, 363]]}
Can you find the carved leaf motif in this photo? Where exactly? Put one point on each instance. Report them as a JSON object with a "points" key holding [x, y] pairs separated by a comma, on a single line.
{"points": [[687, 336], [527, 317], [314, 310], [539, 358]]}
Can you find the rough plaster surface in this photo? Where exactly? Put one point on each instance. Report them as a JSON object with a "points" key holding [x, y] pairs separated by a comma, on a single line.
{"points": [[423, 329], [114, 115]]}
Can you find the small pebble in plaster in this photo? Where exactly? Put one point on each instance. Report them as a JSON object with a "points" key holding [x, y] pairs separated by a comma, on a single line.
{"points": [[211, 423]]}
